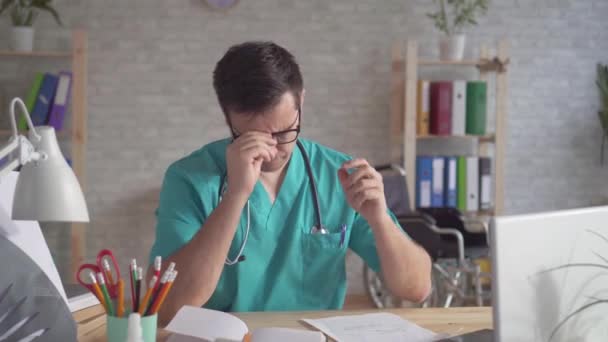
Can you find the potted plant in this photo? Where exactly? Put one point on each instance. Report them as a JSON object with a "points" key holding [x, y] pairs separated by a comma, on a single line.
{"points": [[23, 13], [602, 84], [451, 17]]}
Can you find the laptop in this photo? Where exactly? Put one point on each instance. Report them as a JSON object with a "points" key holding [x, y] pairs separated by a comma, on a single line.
{"points": [[550, 276]]}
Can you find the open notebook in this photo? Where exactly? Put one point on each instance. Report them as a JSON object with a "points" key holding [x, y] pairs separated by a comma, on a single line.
{"points": [[192, 324], [79, 297]]}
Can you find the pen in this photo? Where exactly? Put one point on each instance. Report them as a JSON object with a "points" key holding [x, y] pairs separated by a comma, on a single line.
{"points": [[106, 296], [165, 289], [121, 298], [144, 303], [342, 235]]}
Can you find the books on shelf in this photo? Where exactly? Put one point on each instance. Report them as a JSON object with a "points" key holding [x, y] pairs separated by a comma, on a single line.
{"points": [[30, 100], [423, 108], [476, 107], [459, 108], [461, 182], [60, 101], [48, 99], [441, 108], [456, 107]]}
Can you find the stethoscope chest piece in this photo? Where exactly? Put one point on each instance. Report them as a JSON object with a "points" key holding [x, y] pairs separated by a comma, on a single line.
{"points": [[318, 230]]}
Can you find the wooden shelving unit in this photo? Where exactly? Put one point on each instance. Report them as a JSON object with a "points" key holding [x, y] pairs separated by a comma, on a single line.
{"points": [[50, 54], [481, 138], [7, 132], [78, 132], [404, 79]]}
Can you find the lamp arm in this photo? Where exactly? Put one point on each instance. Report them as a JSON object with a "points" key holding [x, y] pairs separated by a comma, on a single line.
{"points": [[5, 151], [19, 143], [30, 125], [26, 154]]}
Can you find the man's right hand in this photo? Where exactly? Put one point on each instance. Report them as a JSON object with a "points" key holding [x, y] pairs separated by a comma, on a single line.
{"points": [[244, 158]]}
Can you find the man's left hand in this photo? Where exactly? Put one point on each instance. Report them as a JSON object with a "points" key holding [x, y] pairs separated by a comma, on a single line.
{"points": [[364, 189]]}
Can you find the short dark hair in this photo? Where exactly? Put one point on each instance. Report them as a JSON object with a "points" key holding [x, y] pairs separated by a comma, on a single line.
{"points": [[253, 76]]}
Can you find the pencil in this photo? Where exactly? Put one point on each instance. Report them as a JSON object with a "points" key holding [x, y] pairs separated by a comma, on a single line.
{"points": [[132, 278], [97, 291], [121, 298], [138, 288], [108, 271], [156, 292], [144, 303], [104, 290], [158, 262], [163, 294]]}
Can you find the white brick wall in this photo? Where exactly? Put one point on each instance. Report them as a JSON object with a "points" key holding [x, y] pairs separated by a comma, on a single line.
{"points": [[151, 99]]}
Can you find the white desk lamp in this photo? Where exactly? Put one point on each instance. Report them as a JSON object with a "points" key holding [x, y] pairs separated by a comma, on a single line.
{"points": [[47, 189]]}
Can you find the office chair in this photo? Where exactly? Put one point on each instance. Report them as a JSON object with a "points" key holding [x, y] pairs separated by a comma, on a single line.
{"points": [[442, 232]]}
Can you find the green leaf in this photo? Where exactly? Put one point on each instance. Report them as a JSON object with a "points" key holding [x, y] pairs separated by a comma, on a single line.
{"points": [[29, 19], [603, 121], [5, 4], [47, 8]]}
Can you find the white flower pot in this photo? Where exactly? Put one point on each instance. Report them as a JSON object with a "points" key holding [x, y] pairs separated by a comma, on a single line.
{"points": [[22, 38], [451, 48]]}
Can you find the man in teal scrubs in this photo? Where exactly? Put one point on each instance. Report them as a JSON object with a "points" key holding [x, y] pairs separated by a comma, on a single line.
{"points": [[259, 179]]}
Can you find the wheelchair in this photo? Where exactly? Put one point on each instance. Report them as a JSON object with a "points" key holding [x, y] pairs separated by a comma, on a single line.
{"points": [[454, 242]]}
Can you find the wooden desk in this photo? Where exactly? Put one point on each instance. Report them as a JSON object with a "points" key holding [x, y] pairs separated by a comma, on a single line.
{"points": [[452, 321]]}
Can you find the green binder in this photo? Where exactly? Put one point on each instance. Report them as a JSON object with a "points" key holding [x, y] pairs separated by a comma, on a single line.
{"points": [[461, 185], [476, 107], [30, 101]]}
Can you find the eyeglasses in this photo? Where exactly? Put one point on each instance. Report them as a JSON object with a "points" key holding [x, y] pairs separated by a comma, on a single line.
{"points": [[282, 137]]}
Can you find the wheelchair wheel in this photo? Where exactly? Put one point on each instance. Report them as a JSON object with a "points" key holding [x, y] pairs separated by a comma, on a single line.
{"points": [[382, 298]]}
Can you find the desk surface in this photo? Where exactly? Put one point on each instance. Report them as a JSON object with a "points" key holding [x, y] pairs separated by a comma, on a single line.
{"points": [[452, 321]]}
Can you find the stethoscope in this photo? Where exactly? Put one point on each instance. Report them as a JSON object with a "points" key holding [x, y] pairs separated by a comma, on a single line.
{"points": [[316, 229]]}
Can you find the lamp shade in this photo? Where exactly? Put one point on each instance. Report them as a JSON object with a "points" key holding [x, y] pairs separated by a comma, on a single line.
{"points": [[47, 189]]}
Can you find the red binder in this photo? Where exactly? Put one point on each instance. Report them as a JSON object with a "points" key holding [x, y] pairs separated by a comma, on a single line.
{"points": [[441, 108]]}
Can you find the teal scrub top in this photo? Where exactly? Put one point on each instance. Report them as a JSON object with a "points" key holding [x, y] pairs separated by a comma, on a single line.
{"points": [[286, 267]]}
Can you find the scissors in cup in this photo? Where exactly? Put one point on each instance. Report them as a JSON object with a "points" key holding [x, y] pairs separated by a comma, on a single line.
{"points": [[106, 265]]}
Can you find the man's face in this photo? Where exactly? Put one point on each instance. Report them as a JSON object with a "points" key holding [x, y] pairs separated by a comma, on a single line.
{"points": [[281, 121]]}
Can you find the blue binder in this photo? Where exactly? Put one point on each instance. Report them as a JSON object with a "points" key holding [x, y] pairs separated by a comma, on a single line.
{"points": [[437, 196], [45, 98], [450, 182], [424, 177]]}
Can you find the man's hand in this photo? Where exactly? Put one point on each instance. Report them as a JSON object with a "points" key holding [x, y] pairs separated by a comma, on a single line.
{"points": [[364, 190], [244, 158]]}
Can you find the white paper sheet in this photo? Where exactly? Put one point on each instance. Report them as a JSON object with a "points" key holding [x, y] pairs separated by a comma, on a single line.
{"points": [[285, 334], [26, 234], [209, 325], [373, 327]]}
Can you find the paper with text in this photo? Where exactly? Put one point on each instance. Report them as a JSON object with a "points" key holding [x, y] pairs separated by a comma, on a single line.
{"points": [[382, 326]]}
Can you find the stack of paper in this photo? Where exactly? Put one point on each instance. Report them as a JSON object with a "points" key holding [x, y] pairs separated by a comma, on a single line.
{"points": [[382, 326]]}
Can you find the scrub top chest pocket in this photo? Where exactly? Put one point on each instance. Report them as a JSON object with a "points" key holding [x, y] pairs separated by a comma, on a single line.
{"points": [[334, 242], [323, 267]]}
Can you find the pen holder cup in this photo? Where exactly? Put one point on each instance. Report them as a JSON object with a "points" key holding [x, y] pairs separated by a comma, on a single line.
{"points": [[117, 328]]}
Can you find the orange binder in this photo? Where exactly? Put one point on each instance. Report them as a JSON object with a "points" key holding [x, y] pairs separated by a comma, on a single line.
{"points": [[423, 107]]}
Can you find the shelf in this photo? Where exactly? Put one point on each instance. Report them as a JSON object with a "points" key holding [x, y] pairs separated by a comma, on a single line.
{"points": [[495, 64], [49, 54], [460, 63], [478, 213], [482, 138], [7, 132]]}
